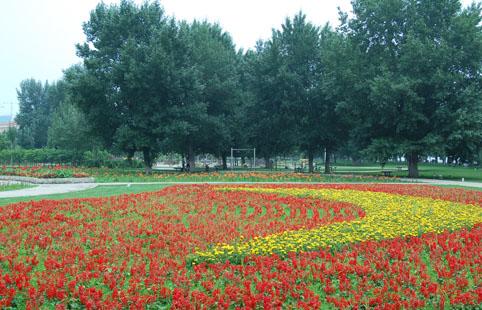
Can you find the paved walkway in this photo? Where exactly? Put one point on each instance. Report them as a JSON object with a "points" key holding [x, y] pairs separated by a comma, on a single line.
{"points": [[403, 181], [445, 182], [49, 189]]}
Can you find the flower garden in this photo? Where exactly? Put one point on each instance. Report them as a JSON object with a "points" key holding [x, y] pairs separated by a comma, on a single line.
{"points": [[122, 175], [103, 175], [44, 171], [246, 246]]}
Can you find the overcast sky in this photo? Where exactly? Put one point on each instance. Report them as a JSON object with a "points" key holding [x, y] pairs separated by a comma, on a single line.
{"points": [[38, 37]]}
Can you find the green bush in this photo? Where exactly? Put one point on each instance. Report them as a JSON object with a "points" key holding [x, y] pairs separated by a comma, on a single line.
{"points": [[20, 156], [95, 158]]}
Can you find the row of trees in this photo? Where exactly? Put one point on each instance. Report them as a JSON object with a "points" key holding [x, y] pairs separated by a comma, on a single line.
{"points": [[49, 118], [397, 77]]}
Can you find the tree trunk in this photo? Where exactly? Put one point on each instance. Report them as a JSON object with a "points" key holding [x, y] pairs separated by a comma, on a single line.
{"points": [[412, 159], [191, 158], [267, 162], [327, 161], [130, 155], [224, 158], [147, 160], [311, 167]]}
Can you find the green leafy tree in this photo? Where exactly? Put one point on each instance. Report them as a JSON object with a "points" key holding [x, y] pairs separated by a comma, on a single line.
{"points": [[300, 50], [238, 122], [200, 120], [4, 142], [420, 59], [338, 69], [69, 129], [269, 115], [33, 118], [37, 103], [125, 82], [316, 64]]}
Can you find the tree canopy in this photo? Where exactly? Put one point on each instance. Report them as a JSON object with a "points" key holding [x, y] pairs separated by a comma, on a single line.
{"points": [[397, 77], [422, 62]]}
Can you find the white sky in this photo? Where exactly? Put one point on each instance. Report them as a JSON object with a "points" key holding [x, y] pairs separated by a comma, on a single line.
{"points": [[38, 37]]}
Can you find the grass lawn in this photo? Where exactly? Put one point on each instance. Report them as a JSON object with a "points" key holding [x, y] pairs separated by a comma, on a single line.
{"points": [[428, 171], [12, 187], [453, 173], [99, 191]]}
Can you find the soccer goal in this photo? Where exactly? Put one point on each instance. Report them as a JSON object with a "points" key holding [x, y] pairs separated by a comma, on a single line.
{"points": [[235, 156]]}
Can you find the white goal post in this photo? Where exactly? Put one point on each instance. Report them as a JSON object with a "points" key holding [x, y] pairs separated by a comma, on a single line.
{"points": [[232, 156]]}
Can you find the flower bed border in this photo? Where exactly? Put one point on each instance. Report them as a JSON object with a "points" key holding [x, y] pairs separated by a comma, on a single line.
{"points": [[46, 180]]}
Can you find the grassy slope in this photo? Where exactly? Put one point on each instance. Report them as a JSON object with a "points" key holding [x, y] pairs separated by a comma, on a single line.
{"points": [[99, 191]]}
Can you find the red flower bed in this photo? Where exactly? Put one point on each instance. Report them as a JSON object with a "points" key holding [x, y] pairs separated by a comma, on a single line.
{"points": [[133, 251], [43, 171]]}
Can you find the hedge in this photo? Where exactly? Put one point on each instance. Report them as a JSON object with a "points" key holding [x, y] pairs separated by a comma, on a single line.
{"points": [[96, 158]]}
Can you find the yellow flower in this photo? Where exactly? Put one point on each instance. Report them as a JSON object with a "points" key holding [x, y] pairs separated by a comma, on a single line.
{"points": [[387, 216]]}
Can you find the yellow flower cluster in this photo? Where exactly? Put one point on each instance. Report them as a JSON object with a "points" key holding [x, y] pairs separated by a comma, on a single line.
{"points": [[387, 216]]}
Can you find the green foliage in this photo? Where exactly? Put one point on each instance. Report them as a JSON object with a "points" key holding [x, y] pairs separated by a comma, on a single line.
{"points": [[381, 150], [300, 46], [33, 118], [37, 103], [201, 119], [150, 83], [44, 155], [125, 80], [397, 77], [421, 60], [96, 158], [69, 129], [4, 141], [268, 116], [298, 81]]}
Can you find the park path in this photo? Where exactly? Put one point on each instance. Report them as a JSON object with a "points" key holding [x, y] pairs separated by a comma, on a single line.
{"points": [[403, 181], [444, 182], [49, 189]]}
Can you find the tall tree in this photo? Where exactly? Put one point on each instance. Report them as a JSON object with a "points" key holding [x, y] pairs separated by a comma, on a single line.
{"points": [[270, 120], [300, 49], [421, 59], [124, 83], [33, 118], [331, 127], [69, 129], [206, 65]]}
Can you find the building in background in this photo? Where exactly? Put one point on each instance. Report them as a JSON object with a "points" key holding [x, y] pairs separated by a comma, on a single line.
{"points": [[6, 121]]}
